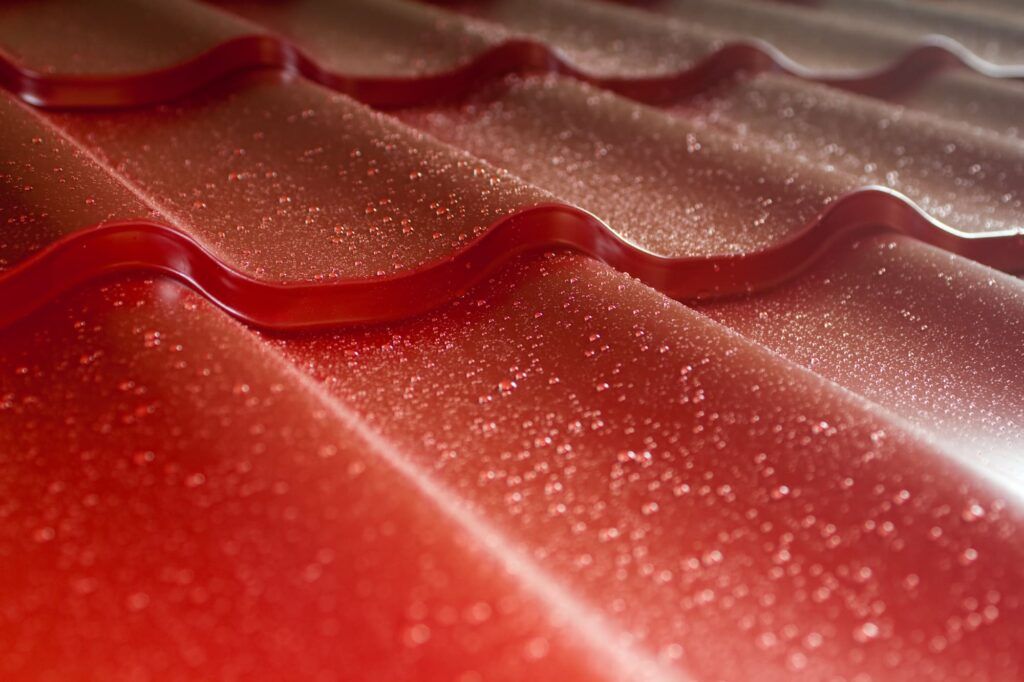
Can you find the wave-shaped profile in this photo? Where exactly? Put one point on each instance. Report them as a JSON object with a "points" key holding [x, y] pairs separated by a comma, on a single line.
{"points": [[153, 247], [520, 56]]}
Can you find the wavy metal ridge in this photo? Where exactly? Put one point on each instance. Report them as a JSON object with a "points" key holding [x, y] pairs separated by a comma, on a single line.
{"points": [[148, 246], [510, 57], [153, 247]]}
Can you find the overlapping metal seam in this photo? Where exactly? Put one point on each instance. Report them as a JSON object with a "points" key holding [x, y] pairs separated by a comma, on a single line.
{"points": [[386, 297], [389, 296], [685, 279]]}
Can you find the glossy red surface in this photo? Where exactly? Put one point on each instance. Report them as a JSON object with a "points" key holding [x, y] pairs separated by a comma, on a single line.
{"points": [[927, 337], [181, 503], [531, 465], [416, 223], [747, 517], [71, 59]]}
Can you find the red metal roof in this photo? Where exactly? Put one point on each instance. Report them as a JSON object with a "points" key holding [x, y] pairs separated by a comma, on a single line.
{"points": [[761, 418]]}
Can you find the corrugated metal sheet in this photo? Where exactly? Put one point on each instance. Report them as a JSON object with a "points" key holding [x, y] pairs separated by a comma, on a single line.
{"points": [[807, 465]]}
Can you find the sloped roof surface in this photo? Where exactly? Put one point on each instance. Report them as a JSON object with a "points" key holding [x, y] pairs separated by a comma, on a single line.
{"points": [[493, 340]]}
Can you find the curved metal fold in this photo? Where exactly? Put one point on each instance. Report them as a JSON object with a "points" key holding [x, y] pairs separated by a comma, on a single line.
{"points": [[149, 246]]}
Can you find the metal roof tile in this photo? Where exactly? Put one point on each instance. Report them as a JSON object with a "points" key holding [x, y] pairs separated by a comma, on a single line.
{"points": [[553, 469]]}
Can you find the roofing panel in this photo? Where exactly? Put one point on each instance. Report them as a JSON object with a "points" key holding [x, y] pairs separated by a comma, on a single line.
{"points": [[179, 502], [554, 469], [721, 504]]}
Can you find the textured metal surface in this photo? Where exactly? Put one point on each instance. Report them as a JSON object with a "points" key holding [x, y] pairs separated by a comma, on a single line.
{"points": [[535, 463]]}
